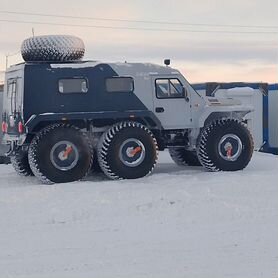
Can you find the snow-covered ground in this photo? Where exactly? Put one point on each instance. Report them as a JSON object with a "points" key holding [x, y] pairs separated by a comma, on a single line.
{"points": [[178, 222]]}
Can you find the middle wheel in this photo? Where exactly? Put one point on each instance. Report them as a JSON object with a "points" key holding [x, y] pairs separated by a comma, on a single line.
{"points": [[127, 150]]}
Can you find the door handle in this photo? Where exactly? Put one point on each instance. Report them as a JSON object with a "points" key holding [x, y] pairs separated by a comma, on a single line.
{"points": [[159, 109]]}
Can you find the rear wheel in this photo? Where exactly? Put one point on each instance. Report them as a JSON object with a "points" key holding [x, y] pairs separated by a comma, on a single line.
{"points": [[60, 153], [183, 157], [21, 164], [225, 145], [127, 150]]}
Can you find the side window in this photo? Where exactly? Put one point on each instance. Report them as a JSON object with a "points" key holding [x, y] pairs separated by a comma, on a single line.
{"points": [[162, 88], [119, 85], [169, 88], [12, 87], [73, 85]]}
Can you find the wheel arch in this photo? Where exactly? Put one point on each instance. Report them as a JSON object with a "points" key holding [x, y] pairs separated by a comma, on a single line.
{"points": [[45, 123], [238, 115]]}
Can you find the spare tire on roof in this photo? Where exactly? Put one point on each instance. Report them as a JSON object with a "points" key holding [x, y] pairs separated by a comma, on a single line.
{"points": [[52, 48]]}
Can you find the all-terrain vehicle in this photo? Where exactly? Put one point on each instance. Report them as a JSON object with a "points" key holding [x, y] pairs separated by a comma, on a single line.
{"points": [[63, 117]]}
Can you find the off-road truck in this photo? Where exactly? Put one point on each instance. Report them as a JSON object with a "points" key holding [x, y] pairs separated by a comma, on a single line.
{"points": [[63, 117]]}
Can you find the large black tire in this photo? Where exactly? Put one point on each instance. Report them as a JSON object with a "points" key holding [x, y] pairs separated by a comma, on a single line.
{"points": [[52, 48], [225, 145], [21, 164], [60, 153], [5, 159], [96, 167], [183, 157], [128, 150]]}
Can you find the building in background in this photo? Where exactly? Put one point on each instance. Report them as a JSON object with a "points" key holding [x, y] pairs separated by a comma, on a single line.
{"points": [[271, 113]]}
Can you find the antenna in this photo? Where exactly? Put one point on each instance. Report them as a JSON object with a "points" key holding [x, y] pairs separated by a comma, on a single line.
{"points": [[33, 31], [9, 55]]}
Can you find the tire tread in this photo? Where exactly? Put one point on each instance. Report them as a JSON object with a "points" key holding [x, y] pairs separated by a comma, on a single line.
{"points": [[202, 153], [106, 139], [33, 157]]}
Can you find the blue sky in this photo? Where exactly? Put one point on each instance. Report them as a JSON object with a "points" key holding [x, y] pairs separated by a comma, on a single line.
{"points": [[225, 56]]}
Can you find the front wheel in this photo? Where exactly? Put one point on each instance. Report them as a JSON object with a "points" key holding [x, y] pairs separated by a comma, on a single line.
{"points": [[225, 145], [60, 153]]}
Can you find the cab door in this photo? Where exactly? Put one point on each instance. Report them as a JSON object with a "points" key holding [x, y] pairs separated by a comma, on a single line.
{"points": [[171, 102]]}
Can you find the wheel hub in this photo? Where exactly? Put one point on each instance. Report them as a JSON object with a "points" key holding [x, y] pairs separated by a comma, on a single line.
{"points": [[64, 155], [230, 147], [132, 152]]}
